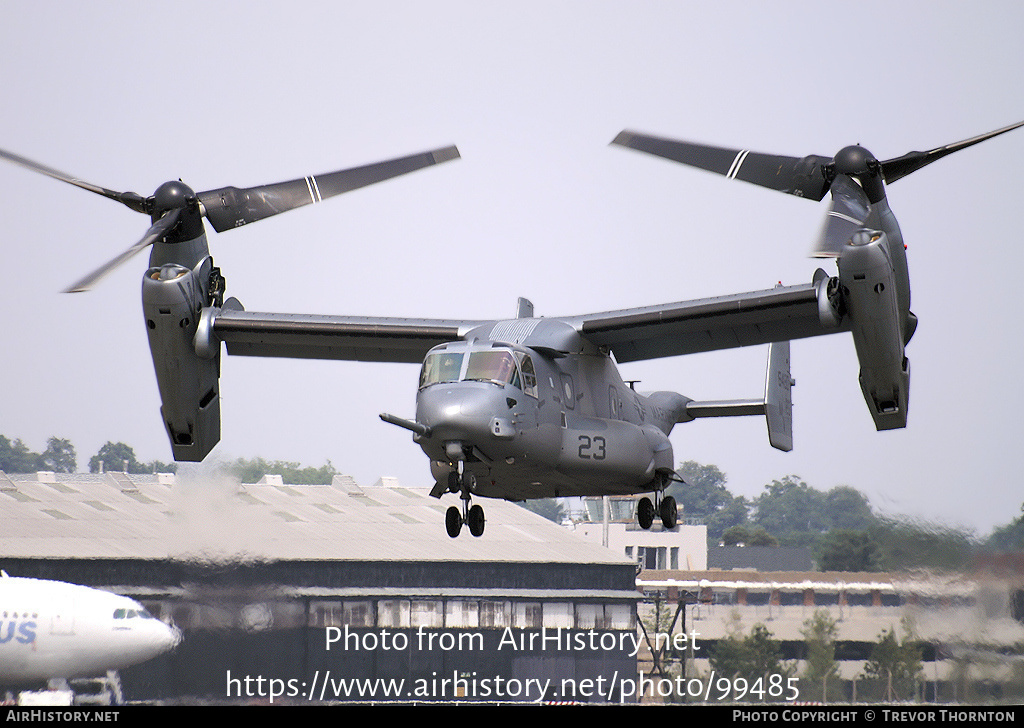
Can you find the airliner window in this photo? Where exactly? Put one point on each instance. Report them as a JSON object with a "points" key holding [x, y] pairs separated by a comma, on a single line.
{"points": [[119, 613], [493, 366], [529, 374], [442, 366]]}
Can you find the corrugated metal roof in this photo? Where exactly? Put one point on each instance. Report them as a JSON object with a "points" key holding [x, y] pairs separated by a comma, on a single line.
{"points": [[89, 516]]}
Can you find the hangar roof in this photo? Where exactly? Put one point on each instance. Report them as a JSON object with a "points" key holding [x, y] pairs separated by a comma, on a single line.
{"points": [[196, 516]]}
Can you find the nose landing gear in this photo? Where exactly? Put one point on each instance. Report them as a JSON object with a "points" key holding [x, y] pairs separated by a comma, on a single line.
{"points": [[472, 516]]}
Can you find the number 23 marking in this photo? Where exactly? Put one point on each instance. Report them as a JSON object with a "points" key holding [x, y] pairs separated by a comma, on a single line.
{"points": [[592, 448]]}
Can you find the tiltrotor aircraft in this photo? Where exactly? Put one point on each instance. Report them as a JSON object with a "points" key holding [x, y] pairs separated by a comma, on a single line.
{"points": [[534, 407]]}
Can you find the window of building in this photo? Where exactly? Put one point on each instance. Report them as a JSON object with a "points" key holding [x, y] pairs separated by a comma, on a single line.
{"points": [[527, 614], [461, 614]]}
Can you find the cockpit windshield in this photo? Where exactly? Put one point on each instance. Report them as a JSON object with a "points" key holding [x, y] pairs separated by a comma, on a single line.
{"points": [[497, 365], [442, 366]]}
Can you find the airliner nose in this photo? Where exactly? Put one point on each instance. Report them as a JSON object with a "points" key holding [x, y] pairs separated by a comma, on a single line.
{"points": [[173, 639]]}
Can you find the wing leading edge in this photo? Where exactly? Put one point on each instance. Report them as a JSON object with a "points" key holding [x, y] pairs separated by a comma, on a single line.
{"points": [[314, 336], [687, 327], [744, 319]]}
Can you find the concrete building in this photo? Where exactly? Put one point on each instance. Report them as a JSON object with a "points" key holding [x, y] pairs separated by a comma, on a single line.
{"points": [[259, 577], [970, 628], [683, 547]]}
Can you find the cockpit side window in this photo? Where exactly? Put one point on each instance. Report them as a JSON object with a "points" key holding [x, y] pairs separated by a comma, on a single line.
{"points": [[529, 374], [442, 366], [493, 366]]}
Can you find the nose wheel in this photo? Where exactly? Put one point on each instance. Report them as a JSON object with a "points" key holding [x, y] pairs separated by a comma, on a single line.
{"points": [[472, 516]]}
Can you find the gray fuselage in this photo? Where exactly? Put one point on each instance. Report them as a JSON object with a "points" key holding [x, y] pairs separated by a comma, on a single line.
{"points": [[538, 423]]}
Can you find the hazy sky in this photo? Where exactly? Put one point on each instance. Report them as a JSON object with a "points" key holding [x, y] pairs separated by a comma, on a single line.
{"points": [[219, 93]]}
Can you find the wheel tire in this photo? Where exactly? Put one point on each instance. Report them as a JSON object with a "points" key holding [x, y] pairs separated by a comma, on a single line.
{"points": [[645, 513], [453, 521], [453, 483], [476, 521], [669, 512]]}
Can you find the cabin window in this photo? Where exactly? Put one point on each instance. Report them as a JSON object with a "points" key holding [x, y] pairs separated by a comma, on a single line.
{"points": [[529, 373]]}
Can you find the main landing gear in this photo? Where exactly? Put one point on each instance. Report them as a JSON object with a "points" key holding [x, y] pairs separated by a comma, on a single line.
{"points": [[666, 508], [472, 516]]}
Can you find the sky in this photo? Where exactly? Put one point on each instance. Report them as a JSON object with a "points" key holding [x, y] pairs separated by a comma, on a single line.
{"points": [[232, 93]]}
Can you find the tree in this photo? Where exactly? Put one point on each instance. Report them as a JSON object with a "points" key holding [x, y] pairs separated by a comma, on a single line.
{"points": [[792, 510], [1009, 537], [735, 536], [756, 657], [842, 550], [59, 456], [894, 668], [741, 535], [15, 457], [251, 471], [907, 544], [114, 456], [705, 496], [847, 508], [820, 666]]}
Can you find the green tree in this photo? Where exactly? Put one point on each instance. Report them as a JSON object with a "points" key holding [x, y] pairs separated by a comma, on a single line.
{"points": [[59, 456], [755, 657], [848, 509], [251, 471], [792, 510], [894, 668], [158, 466], [115, 456], [704, 495], [908, 544], [1009, 537], [842, 550], [735, 536], [820, 666], [15, 457]]}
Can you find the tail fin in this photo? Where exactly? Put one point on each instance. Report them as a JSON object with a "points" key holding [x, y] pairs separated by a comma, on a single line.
{"points": [[777, 405]]}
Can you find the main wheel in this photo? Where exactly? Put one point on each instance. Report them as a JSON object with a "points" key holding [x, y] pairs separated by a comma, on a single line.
{"points": [[475, 520], [645, 513], [453, 521], [454, 486], [669, 512]]}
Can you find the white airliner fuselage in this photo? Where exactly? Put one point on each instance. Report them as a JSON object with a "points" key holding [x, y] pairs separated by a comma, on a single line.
{"points": [[51, 629]]}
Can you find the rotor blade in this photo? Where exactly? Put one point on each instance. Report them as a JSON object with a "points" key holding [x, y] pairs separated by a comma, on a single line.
{"points": [[847, 213], [131, 199], [802, 177], [157, 231], [900, 167], [230, 207]]}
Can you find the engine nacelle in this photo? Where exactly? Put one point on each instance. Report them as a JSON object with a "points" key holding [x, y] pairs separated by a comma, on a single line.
{"points": [[872, 305], [172, 300]]}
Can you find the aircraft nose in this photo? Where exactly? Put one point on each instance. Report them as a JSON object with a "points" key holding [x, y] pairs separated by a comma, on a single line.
{"points": [[172, 639], [159, 638], [464, 410]]}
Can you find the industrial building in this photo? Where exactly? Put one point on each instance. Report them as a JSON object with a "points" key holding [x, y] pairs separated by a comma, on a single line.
{"points": [[260, 577]]}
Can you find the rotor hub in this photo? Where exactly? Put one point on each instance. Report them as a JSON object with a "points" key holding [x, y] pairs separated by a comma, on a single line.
{"points": [[855, 160], [172, 196]]}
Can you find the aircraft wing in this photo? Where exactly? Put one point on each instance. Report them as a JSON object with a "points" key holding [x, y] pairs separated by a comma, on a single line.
{"points": [[725, 322], [314, 336]]}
